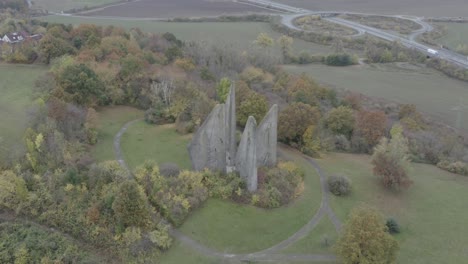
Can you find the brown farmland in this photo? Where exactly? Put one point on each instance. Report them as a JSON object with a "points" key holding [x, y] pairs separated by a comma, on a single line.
{"points": [[176, 8], [400, 7]]}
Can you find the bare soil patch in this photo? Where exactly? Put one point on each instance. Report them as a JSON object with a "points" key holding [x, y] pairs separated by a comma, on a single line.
{"points": [[176, 8], [318, 25], [400, 25]]}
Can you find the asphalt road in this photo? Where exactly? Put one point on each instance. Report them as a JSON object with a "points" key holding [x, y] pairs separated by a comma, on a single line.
{"points": [[288, 20]]}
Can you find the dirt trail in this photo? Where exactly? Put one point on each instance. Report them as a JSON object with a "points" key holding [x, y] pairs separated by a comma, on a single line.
{"points": [[269, 254]]}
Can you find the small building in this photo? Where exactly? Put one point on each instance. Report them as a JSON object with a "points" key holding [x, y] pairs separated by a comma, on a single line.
{"points": [[18, 37], [14, 37]]}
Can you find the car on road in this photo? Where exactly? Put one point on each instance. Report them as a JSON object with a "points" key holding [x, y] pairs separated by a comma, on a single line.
{"points": [[432, 51]]}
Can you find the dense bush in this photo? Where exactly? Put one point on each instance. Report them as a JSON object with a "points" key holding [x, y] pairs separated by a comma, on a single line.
{"points": [[305, 57], [365, 232], [311, 144], [26, 243], [340, 60], [457, 167], [448, 68], [255, 105], [174, 197], [341, 120], [391, 162], [130, 206], [158, 115], [393, 226], [339, 185], [81, 85], [169, 169], [369, 129], [294, 121], [278, 186], [224, 186]]}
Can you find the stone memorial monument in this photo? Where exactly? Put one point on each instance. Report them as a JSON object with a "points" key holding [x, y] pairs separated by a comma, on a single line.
{"points": [[214, 144]]}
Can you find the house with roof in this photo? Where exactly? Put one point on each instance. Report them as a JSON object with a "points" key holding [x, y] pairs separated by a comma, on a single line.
{"points": [[18, 37], [14, 37]]}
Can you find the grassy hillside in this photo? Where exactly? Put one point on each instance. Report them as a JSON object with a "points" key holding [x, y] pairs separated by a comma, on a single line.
{"points": [[111, 120], [314, 242], [160, 143], [236, 34], [431, 91], [16, 83], [457, 33], [432, 213], [64, 5]]}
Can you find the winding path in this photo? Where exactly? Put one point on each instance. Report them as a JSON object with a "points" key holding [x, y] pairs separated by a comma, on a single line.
{"points": [[118, 150], [271, 253]]}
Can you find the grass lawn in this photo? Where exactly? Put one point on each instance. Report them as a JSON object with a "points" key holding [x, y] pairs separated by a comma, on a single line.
{"points": [[64, 5], [160, 143], [222, 225], [16, 83], [111, 120], [457, 33], [218, 224], [236, 34], [431, 91], [179, 253], [313, 243], [234, 228], [432, 213]]}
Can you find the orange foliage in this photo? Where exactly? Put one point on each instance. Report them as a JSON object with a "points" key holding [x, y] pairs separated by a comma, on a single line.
{"points": [[371, 125], [93, 214]]}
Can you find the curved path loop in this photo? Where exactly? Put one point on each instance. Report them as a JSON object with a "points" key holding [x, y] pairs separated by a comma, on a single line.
{"points": [[269, 254], [289, 21], [118, 150]]}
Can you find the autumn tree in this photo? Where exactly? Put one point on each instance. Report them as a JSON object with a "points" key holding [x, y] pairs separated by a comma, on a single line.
{"points": [[52, 47], [410, 118], [116, 47], [243, 92], [285, 42], [131, 205], [148, 177], [86, 35], [306, 91], [341, 121], [311, 142], [264, 41], [252, 75], [13, 190], [294, 121], [391, 162], [255, 105], [365, 240], [81, 85], [91, 125], [371, 126], [222, 89]]}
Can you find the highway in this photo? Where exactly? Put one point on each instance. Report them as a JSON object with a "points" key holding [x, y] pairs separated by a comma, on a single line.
{"points": [[288, 20]]}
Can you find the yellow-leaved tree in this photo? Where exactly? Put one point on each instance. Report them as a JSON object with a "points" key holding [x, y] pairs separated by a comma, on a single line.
{"points": [[365, 239]]}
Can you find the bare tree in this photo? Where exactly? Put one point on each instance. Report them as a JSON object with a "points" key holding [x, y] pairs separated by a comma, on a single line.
{"points": [[164, 89]]}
